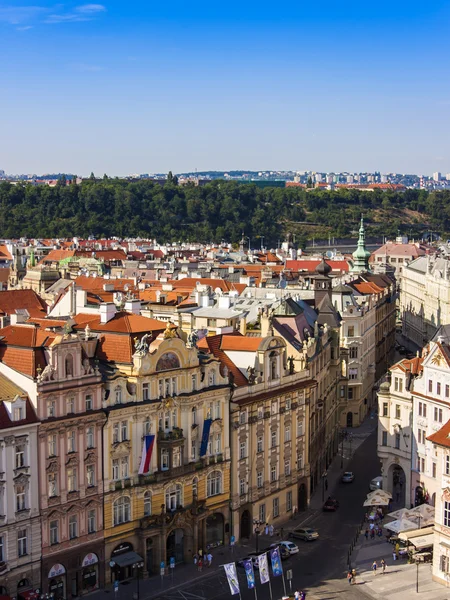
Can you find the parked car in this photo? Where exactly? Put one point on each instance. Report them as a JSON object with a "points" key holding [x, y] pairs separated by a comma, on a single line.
{"points": [[304, 533], [331, 505], [376, 483], [289, 546], [347, 477]]}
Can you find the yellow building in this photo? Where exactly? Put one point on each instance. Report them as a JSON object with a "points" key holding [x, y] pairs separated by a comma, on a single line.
{"points": [[169, 394]]}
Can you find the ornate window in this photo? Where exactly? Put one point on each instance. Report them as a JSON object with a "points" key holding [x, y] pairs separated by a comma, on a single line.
{"points": [[147, 426], [89, 402], [115, 469], [164, 459], [52, 485], [90, 437], [52, 445], [70, 406], [214, 483], [147, 504], [20, 456], [115, 433], [212, 378], [21, 500], [71, 445], [51, 408], [54, 532], [118, 395], [173, 497], [122, 510], [90, 475], [71, 480], [69, 365], [73, 527], [22, 545], [273, 366], [91, 521]]}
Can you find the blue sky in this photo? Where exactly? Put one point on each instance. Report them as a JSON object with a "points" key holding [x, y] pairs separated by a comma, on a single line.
{"points": [[146, 86]]}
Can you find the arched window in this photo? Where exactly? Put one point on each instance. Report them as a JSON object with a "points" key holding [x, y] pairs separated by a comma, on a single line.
{"points": [[147, 426], [147, 504], [173, 497], [122, 510], [214, 483], [194, 415], [118, 395], [69, 365], [273, 366], [212, 378]]}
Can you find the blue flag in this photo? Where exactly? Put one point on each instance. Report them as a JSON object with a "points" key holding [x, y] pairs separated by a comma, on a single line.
{"points": [[275, 558], [248, 566], [205, 436]]}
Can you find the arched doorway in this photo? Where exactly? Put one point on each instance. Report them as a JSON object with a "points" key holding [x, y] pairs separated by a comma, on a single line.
{"points": [[215, 530], [396, 483], [419, 496], [349, 419], [302, 497], [57, 581], [23, 585], [175, 545], [3, 591], [246, 524]]}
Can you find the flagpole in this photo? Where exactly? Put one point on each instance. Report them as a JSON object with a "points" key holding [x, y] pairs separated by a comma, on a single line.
{"points": [[270, 589], [284, 583], [256, 595]]}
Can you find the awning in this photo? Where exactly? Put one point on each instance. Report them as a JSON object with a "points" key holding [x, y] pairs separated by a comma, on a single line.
{"points": [[408, 535], [423, 541], [126, 559]]}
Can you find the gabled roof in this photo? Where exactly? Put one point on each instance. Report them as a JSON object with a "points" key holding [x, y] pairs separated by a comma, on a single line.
{"points": [[122, 322], [409, 365], [11, 300], [441, 437], [213, 345], [327, 313]]}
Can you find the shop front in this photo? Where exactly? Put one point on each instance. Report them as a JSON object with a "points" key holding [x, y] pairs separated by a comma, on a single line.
{"points": [[123, 558], [89, 573], [57, 581]]}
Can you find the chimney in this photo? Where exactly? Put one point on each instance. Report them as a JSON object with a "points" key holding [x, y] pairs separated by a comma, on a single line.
{"points": [[133, 306], [243, 326], [107, 311]]}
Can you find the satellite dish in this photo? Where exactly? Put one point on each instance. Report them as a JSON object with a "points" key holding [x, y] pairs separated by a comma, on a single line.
{"points": [[329, 254]]}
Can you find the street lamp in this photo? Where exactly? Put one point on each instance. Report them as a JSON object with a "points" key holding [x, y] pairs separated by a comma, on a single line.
{"points": [[137, 566], [246, 237]]}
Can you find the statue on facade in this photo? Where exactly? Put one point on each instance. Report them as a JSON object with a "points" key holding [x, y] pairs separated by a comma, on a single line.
{"points": [[192, 339], [47, 373], [251, 375], [169, 333], [141, 345], [291, 365]]}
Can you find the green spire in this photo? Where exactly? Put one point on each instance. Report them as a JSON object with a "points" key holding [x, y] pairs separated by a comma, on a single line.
{"points": [[32, 258], [361, 255]]}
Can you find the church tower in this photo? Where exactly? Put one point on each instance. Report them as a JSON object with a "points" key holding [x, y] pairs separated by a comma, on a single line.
{"points": [[361, 255]]}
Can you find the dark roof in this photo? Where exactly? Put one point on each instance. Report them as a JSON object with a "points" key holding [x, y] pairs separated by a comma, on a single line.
{"points": [[327, 313]]}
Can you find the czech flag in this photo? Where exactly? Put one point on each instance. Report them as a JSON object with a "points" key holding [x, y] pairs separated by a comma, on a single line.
{"points": [[149, 442]]}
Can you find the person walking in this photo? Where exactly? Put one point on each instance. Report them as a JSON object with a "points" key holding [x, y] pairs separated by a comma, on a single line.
{"points": [[374, 567], [349, 577], [195, 559], [366, 534], [296, 595], [271, 530], [200, 565], [394, 555], [266, 529], [209, 558], [383, 566], [354, 576], [372, 534]]}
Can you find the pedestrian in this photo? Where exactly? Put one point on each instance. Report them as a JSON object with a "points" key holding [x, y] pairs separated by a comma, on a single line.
{"points": [[354, 576], [271, 530], [372, 534], [195, 559], [394, 555], [209, 558], [371, 526], [303, 596], [366, 534], [266, 529], [200, 564], [380, 532], [349, 577], [296, 595], [200, 553], [383, 565], [374, 567]]}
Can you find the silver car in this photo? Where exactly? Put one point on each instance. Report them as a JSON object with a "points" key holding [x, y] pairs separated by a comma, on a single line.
{"points": [[304, 533]]}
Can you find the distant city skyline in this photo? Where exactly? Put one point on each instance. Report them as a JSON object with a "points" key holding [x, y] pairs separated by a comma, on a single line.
{"points": [[123, 88]]}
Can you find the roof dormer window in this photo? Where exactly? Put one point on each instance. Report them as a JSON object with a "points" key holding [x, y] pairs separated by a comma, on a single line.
{"points": [[18, 413]]}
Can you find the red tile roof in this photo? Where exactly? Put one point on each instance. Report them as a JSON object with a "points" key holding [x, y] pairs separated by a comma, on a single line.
{"points": [[10, 300], [311, 265], [240, 343], [212, 344], [122, 322], [5, 253], [410, 365], [55, 256], [441, 437]]}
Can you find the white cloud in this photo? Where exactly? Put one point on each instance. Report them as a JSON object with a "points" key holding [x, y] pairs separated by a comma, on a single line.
{"points": [[24, 28], [90, 8], [15, 15]]}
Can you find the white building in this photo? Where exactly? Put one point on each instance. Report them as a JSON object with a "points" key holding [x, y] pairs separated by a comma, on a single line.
{"points": [[394, 444], [431, 409], [437, 176], [424, 297], [20, 527]]}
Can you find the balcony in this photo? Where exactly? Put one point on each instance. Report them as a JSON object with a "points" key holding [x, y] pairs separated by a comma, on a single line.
{"points": [[175, 472], [171, 438]]}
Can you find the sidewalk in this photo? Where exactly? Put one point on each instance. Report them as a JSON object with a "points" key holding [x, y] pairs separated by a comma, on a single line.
{"points": [[399, 582]]}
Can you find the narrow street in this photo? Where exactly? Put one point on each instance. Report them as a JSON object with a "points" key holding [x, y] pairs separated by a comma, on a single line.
{"points": [[320, 567]]}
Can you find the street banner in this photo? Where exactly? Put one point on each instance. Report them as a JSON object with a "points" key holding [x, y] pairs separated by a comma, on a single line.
{"points": [[263, 568], [275, 557], [230, 572], [248, 566]]}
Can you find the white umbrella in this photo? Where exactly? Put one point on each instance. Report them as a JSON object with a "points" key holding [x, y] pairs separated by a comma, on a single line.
{"points": [[400, 525], [423, 514], [378, 492], [376, 501], [399, 514]]}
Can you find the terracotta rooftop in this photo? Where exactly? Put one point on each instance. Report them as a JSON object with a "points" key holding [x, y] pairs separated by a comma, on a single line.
{"points": [[441, 437], [310, 265], [11, 300], [410, 365], [56, 256], [122, 322], [5, 253], [213, 345]]}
